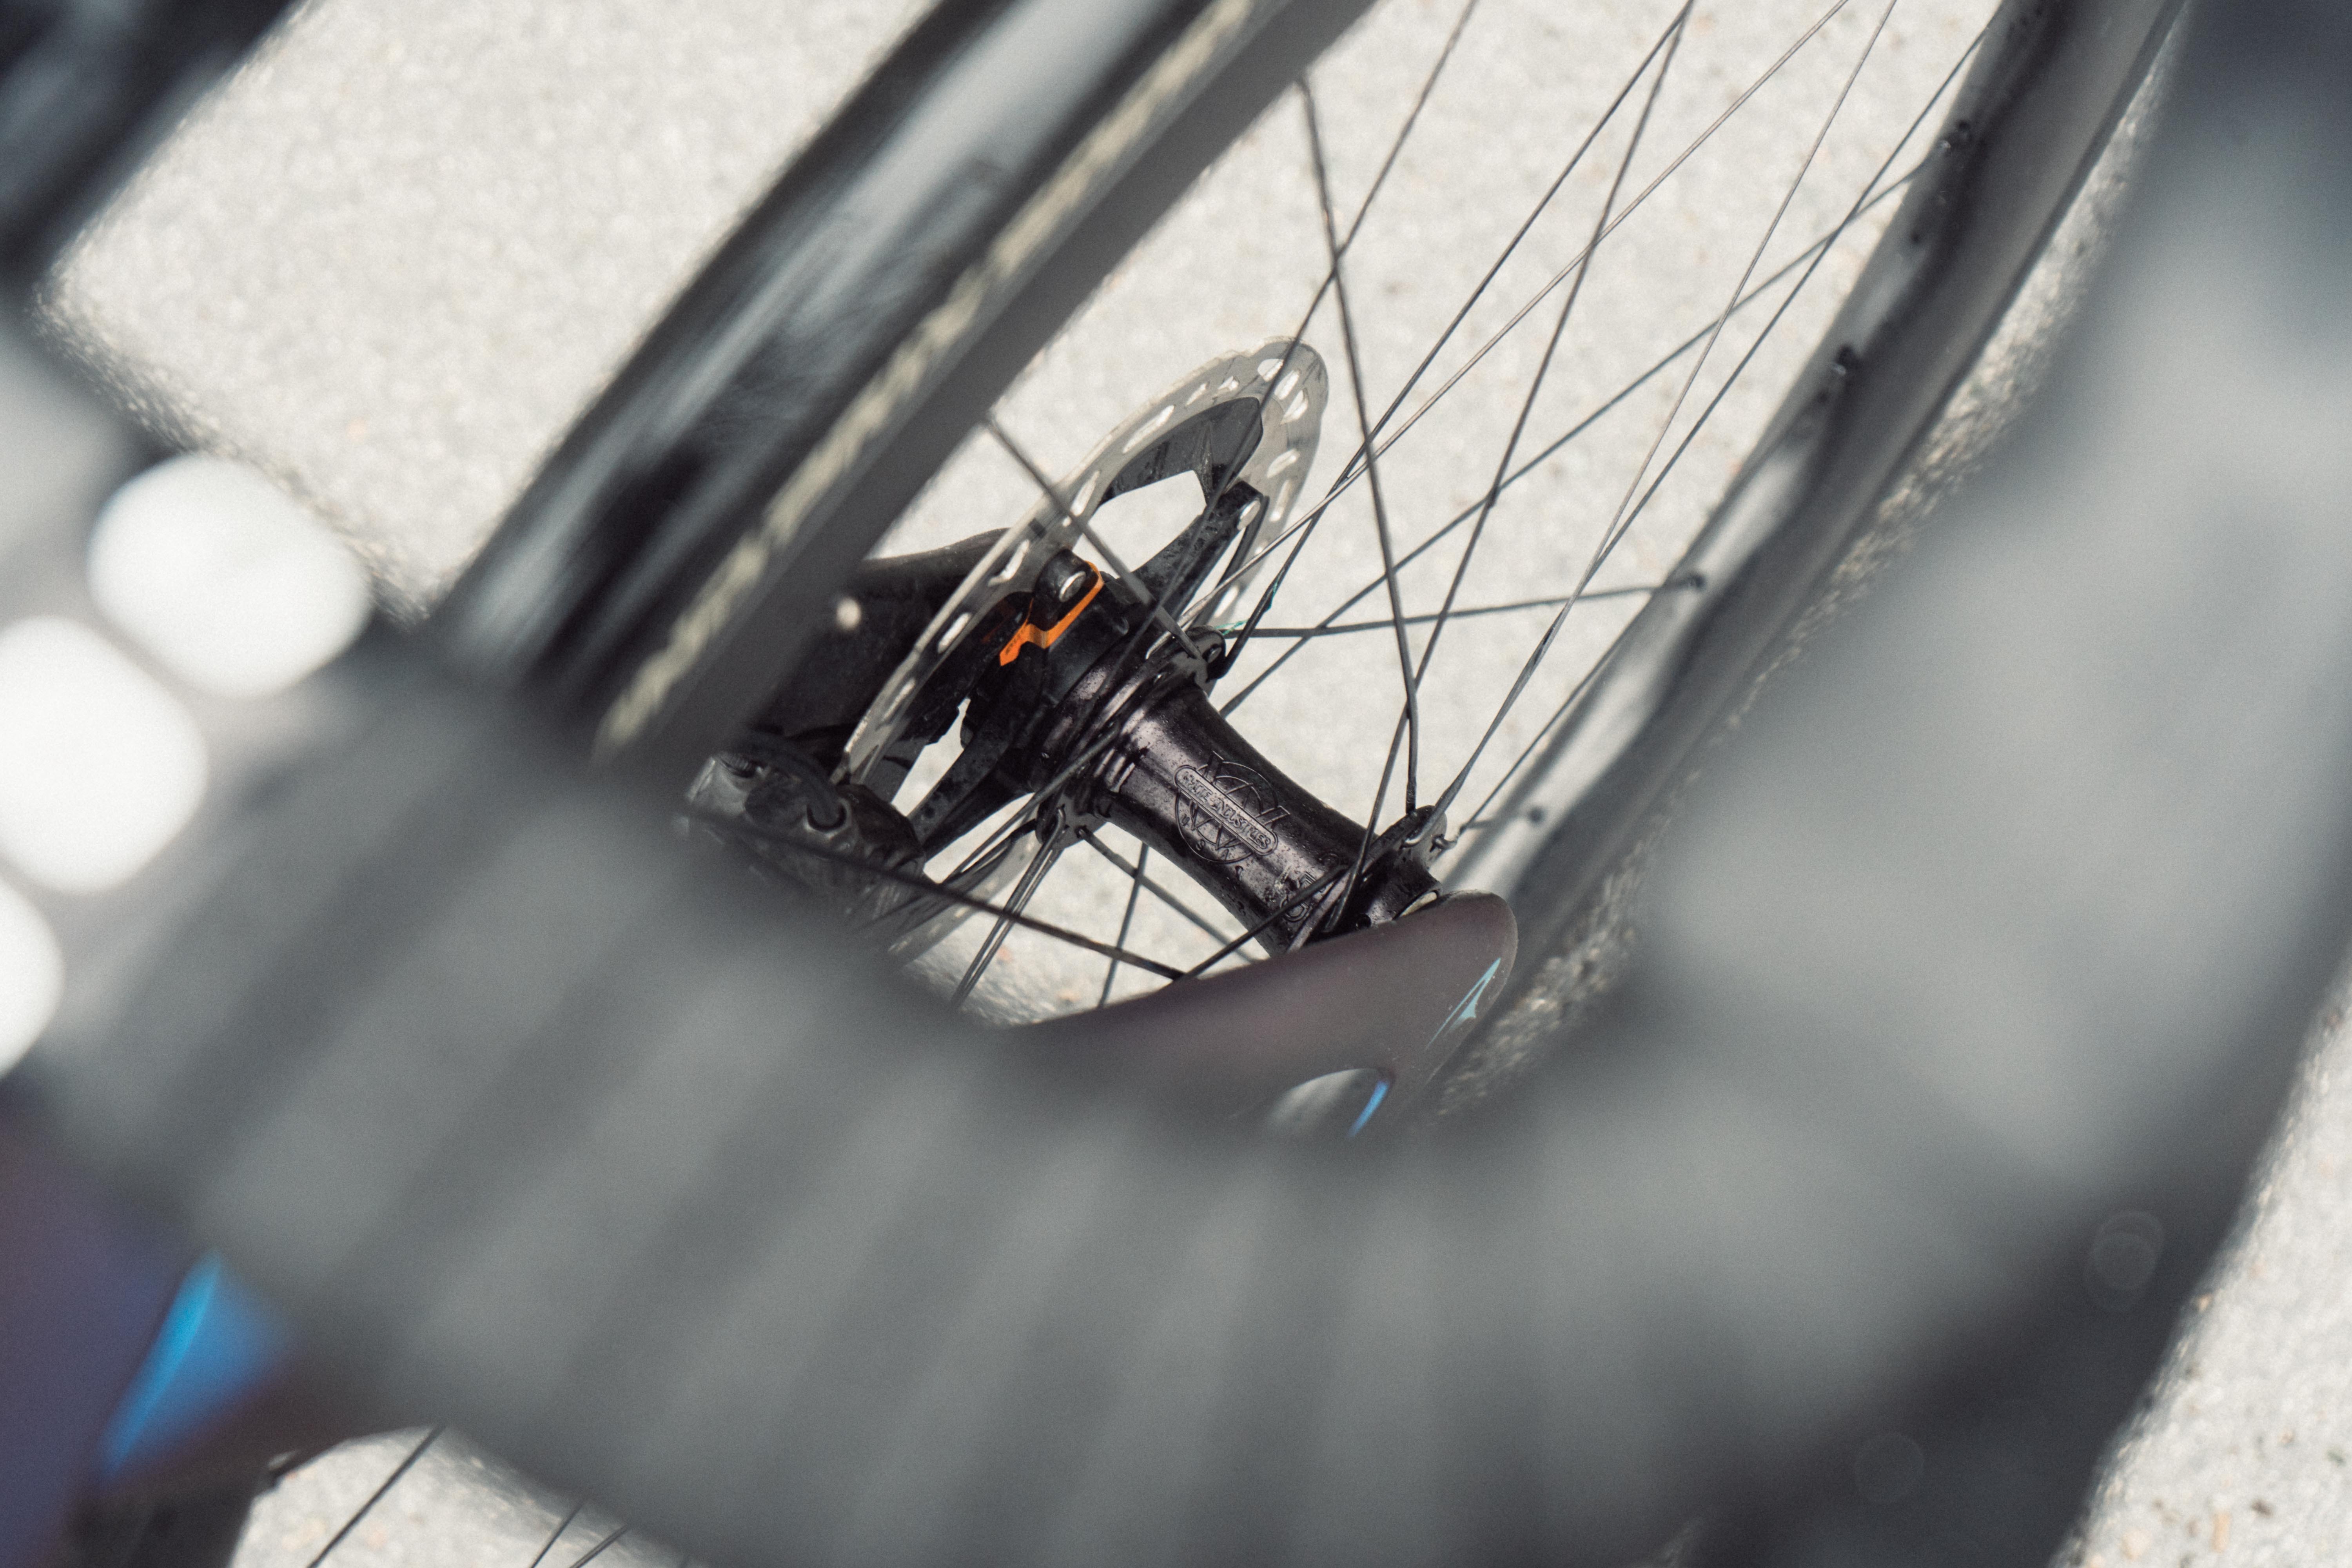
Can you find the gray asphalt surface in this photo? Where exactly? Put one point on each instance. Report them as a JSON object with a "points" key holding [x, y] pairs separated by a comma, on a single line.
{"points": [[394, 258]]}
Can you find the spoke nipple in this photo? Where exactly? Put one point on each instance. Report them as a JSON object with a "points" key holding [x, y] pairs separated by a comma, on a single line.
{"points": [[848, 615]]}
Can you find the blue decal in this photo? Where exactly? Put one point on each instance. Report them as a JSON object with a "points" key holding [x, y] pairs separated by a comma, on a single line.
{"points": [[218, 1344], [1379, 1092], [1467, 1008]]}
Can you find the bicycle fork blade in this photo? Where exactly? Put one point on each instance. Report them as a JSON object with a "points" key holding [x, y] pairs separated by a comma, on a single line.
{"points": [[1339, 1036]]}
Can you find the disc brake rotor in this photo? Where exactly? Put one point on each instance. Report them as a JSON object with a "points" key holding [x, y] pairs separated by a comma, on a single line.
{"points": [[1279, 389]]}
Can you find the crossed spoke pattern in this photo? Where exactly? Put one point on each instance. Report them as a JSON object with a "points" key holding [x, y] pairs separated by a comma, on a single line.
{"points": [[1613, 167], [575, 1538], [406, 1464], [1627, 509]]}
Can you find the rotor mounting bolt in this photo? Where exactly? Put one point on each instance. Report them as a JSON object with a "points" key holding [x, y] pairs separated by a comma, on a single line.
{"points": [[847, 615], [1064, 578]]}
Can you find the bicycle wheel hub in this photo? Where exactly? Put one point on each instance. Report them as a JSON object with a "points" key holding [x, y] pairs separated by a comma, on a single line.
{"points": [[1082, 686]]}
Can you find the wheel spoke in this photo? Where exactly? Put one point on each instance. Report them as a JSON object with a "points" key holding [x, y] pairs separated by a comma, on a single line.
{"points": [[1023, 822], [1807, 260], [1133, 646], [1810, 257], [1125, 922], [1343, 627], [1263, 926], [1304, 528], [1820, 247], [1527, 224], [1135, 870], [951, 895], [597, 1550], [1478, 818], [1412, 118], [1049, 850], [1623, 519], [1363, 209], [1106, 730], [1738, 370], [1551, 348], [377, 1496], [977, 866], [1052, 492], [1372, 465], [560, 1525], [1363, 847], [1348, 470]]}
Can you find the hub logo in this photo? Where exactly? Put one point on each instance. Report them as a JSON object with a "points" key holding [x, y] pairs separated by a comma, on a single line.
{"points": [[1226, 811]]}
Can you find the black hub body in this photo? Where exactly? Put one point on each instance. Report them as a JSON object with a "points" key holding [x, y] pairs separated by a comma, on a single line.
{"points": [[1072, 689], [1079, 688], [1183, 780]]}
